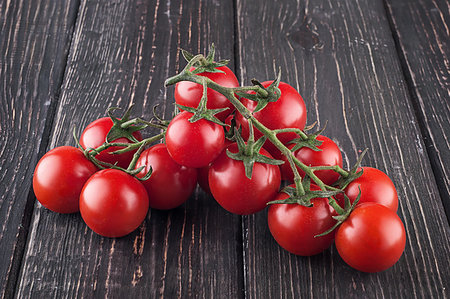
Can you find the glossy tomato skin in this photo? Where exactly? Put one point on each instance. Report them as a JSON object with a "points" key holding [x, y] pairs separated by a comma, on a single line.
{"points": [[234, 191], [329, 155], [194, 144], [59, 177], [170, 184], [375, 186], [94, 135], [113, 203], [372, 239], [289, 111], [190, 93], [294, 226]]}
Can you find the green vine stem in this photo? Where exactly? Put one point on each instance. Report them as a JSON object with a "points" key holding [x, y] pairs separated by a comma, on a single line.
{"points": [[90, 153], [335, 168], [229, 93]]}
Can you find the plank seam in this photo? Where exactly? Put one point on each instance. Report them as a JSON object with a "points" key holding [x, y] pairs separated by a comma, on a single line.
{"points": [[22, 235], [413, 96], [241, 238]]}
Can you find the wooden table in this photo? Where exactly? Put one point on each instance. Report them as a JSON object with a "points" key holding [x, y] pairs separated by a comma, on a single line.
{"points": [[377, 70]]}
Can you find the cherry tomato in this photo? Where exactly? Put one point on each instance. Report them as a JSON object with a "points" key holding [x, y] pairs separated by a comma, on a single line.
{"points": [[289, 111], [189, 93], [234, 191], [113, 203], [329, 155], [170, 184], [194, 144], [375, 186], [59, 177], [372, 238], [94, 135], [294, 226]]}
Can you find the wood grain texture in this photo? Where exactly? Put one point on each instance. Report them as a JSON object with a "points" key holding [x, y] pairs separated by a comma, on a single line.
{"points": [[34, 42], [121, 53], [424, 46], [341, 56]]}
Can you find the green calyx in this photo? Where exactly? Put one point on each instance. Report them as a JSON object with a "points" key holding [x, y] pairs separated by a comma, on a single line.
{"points": [[205, 64], [305, 198], [353, 173], [263, 95], [122, 127], [201, 112], [343, 214], [248, 152], [308, 140]]}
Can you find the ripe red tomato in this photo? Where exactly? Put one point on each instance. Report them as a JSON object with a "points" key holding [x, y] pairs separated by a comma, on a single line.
{"points": [[94, 135], [234, 191], [194, 144], [189, 93], [170, 184], [294, 226], [289, 111], [113, 203], [372, 238], [329, 155], [59, 177], [375, 186]]}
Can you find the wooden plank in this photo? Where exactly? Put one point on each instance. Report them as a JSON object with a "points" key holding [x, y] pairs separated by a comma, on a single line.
{"points": [[341, 57], [424, 47], [34, 42], [122, 52]]}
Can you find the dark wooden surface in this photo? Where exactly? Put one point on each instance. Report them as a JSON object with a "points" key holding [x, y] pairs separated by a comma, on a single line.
{"points": [[378, 71]]}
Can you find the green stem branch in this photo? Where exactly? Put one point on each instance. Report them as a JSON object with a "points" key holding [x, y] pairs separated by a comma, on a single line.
{"points": [[229, 94]]}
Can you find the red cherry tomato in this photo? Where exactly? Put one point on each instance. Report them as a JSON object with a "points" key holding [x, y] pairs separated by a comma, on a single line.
{"points": [[170, 184], [375, 186], [289, 111], [113, 203], [234, 191], [194, 144], [372, 238], [59, 177], [329, 155], [189, 93], [294, 226], [94, 135]]}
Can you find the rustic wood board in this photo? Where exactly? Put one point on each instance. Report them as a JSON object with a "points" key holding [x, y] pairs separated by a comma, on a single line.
{"points": [[34, 42], [378, 78], [122, 52], [424, 47], [342, 58]]}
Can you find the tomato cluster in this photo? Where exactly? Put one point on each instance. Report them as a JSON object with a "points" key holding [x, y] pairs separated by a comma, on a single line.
{"points": [[238, 144]]}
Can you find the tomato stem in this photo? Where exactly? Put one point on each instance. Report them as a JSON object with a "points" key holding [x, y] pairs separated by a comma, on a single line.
{"points": [[335, 168], [142, 145], [90, 153], [294, 130], [229, 93]]}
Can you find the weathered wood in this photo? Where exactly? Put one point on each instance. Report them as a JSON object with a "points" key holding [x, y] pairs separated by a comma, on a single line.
{"points": [[122, 52], [341, 57], [34, 42], [424, 47]]}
